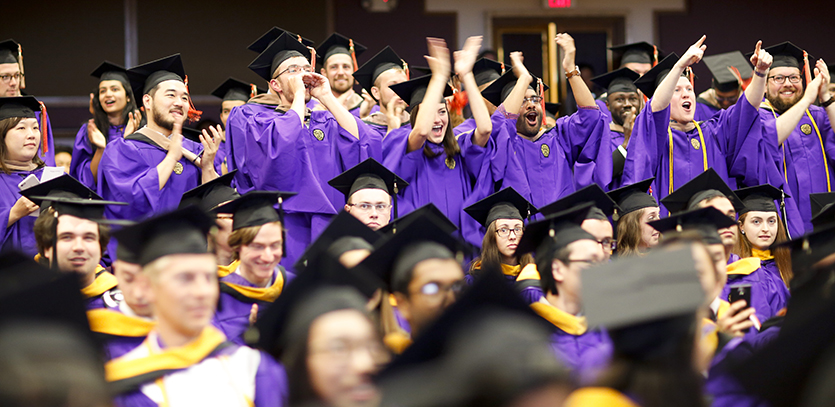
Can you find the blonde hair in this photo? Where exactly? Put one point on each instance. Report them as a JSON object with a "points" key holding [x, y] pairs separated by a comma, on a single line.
{"points": [[629, 233]]}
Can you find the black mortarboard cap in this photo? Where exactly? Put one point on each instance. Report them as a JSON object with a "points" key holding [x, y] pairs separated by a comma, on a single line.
{"points": [[787, 54], [234, 89], [211, 194], [430, 208], [720, 65], [19, 106], [413, 91], [182, 231], [820, 200], [616, 295], [505, 204], [386, 59], [146, 76], [811, 247], [557, 230], [654, 76], [192, 134], [760, 198], [368, 174], [255, 208], [621, 80], [280, 50], [68, 196], [271, 35], [705, 186], [342, 225], [706, 221], [498, 91], [487, 70], [593, 193], [824, 217], [636, 52], [8, 52], [633, 197], [337, 44], [109, 71], [551, 109]]}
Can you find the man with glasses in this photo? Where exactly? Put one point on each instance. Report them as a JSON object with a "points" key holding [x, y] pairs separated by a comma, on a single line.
{"points": [[563, 251], [369, 189], [800, 131], [730, 71]]}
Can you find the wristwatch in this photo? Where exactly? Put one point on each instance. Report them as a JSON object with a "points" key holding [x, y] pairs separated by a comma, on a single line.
{"points": [[828, 102], [575, 72]]}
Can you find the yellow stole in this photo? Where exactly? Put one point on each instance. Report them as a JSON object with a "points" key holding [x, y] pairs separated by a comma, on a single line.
{"points": [[118, 324], [528, 273], [703, 148], [598, 397], [820, 140], [744, 266], [723, 309], [174, 358], [397, 342], [571, 324], [104, 281], [762, 254], [268, 294], [223, 271], [507, 269]]}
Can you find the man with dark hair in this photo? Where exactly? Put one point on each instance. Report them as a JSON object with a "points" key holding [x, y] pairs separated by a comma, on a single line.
{"points": [[376, 76], [731, 72]]}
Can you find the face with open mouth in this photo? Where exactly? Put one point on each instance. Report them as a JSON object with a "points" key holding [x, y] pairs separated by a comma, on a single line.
{"points": [[683, 103], [785, 95], [530, 116], [440, 124], [112, 96]]}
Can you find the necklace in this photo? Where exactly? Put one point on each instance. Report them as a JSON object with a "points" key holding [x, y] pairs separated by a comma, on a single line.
{"points": [[163, 135]]}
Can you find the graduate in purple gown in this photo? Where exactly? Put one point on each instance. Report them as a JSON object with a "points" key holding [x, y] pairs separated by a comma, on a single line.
{"points": [[728, 143], [486, 71], [370, 191], [152, 168], [232, 93], [800, 131], [337, 57], [439, 167], [195, 362], [114, 108], [563, 251], [572, 154], [255, 278], [731, 74], [21, 138], [623, 102], [376, 76]]}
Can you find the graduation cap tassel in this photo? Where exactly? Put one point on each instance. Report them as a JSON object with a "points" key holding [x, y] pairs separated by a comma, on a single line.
{"points": [[654, 55], [742, 82], [20, 64], [312, 59], [541, 96], [806, 69], [193, 113], [53, 263], [253, 90], [406, 69], [783, 212], [283, 225], [459, 100], [502, 68], [353, 54], [395, 197], [44, 128], [691, 76]]}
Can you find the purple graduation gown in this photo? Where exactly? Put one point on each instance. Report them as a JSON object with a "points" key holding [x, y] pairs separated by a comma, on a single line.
{"points": [[117, 345], [220, 158], [769, 294], [705, 112], [20, 235], [232, 315], [801, 159], [83, 151], [732, 142]]}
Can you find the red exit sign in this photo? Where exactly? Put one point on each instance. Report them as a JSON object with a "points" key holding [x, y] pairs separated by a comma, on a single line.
{"points": [[559, 3]]}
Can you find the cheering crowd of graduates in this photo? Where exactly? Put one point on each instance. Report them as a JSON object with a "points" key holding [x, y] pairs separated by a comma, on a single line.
{"points": [[417, 241]]}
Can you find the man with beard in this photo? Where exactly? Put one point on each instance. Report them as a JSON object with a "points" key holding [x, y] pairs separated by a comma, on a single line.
{"points": [[375, 76], [623, 102], [730, 73], [338, 58], [638, 57], [572, 154], [800, 131], [152, 168]]}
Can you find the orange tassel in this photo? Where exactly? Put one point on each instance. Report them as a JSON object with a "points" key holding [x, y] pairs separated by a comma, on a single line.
{"points": [[299, 37], [459, 100], [502, 68], [20, 64], [406, 69], [541, 96], [806, 67], [312, 59], [654, 55], [353, 54], [44, 130], [193, 114], [692, 77], [253, 90], [742, 82]]}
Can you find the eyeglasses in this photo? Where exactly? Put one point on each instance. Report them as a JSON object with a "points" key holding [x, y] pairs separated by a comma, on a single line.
{"points": [[367, 206], [505, 232], [434, 289], [532, 99], [731, 99], [294, 69], [341, 351], [780, 79], [608, 244], [8, 78]]}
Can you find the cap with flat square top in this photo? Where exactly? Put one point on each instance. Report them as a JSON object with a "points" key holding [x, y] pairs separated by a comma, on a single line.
{"points": [[760, 198], [144, 77], [650, 81], [368, 174], [368, 73], [498, 91], [280, 50], [68, 196], [210, 195], [724, 79], [255, 208], [820, 200], [636, 52], [556, 231], [271, 35], [620, 80], [109, 71], [9, 51], [341, 226], [19, 106], [633, 197], [505, 204], [486, 71], [603, 204], [235, 89], [786, 54], [429, 209], [338, 44], [706, 221], [551, 109], [182, 231], [825, 217], [413, 91], [706, 185]]}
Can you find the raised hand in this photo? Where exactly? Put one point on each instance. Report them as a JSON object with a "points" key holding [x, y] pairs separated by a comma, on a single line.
{"points": [[92, 111], [438, 58], [134, 118], [175, 145], [823, 71], [628, 124], [517, 59], [296, 85], [95, 135], [22, 207], [367, 104], [693, 54], [761, 59], [318, 84], [736, 320], [211, 143], [813, 89], [465, 57], [566, 43]]}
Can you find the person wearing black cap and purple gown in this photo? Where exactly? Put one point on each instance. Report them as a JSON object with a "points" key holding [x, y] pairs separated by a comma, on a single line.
{"points": [[72, 236], [563, 250], [672, 147], [800, 131], [375, 77], [21, 135], [113, 109], [147, 169], [637, 207], [623, 102], [208, 197], [12, 80], [639, 57], [731, 74], [232, 93], [370, 191], [184, 360], [337, 56], [255, 278]]}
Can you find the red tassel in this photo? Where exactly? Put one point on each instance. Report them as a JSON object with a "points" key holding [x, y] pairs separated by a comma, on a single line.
{"points": [[353, 54], [742, 82], [20, 64], [654, 55], [253, 90], [692, 77], [459, 100], [44, 130], [193, 114], [806, 68], [502, 68], [541, 96], [312, 59], [406, 69], [299, 37]]}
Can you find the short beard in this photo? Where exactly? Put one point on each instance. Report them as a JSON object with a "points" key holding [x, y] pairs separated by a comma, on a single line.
{"points": [[344, 88], [525, 130], [160, 121], [780, 105]]}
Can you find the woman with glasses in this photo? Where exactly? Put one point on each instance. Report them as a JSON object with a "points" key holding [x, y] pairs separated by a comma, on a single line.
{"points": [[114, 115], [503, 215]]}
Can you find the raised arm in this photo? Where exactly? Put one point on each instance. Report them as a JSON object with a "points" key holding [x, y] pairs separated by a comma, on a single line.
{"points": [[438, 61], [523, 79], [321, 90], [824, 90], [664, 92], [761, 60], [789, 120], [464, 60], [582, 94]]}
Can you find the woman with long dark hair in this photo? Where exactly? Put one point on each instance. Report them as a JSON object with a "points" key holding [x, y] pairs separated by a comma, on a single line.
{"points": [[638, 208], [114, 115]]}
